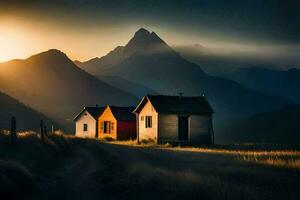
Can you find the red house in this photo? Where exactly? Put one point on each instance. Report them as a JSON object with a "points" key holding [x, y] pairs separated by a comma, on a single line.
{"points": [[118, 123]]}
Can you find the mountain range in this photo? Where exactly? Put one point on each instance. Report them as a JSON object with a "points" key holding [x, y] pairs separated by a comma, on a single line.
{"points": [[146, 59], [284, 83], [52, 84]]}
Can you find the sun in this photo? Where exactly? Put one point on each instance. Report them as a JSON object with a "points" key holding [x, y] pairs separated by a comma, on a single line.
{"points": [[15, 41], [8, 48]]}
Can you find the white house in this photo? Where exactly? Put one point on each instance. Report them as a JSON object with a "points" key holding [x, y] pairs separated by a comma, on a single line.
{"points": [[174, 119], [87, 122]]}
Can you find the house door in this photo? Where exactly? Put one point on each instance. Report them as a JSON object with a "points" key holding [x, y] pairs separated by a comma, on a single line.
{"points": [[183, 127]]}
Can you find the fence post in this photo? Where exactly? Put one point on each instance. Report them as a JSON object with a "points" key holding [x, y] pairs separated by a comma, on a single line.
{"points": [[13, 130], [42, 130], [45, 130]]}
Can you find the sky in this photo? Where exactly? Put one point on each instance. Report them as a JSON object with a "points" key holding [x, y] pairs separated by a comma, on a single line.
{"points": [[91, 28]]}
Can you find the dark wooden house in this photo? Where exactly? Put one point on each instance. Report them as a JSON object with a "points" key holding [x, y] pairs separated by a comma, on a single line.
{"points": [[174, 119]]}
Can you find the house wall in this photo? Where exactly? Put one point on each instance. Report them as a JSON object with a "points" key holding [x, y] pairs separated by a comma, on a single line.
{"points": [[147, 133], [86, 118], [167, 127], [126, 130], [200, 129], [107, 116]]}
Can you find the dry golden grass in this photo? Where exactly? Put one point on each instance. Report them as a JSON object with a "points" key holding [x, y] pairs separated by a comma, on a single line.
{"points": [[281, 160], [135, 143], [276, 158]]}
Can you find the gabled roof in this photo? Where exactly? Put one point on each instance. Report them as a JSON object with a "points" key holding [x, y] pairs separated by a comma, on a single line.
{"points": [[123, 113], [94, 111], [176, 105]]}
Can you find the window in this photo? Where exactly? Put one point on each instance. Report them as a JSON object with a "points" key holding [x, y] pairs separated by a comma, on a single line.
{"points": [[107, 127], [148, 122], [142, 118], [85, 127]]}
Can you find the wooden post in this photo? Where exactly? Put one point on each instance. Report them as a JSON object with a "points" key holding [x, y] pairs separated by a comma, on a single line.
{"points": [[13, 130], [52, 129], [42, 130], [45, 130], [212, 131]]}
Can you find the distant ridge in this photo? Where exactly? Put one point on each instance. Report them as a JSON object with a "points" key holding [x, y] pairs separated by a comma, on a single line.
{"points": [[276, 126], [275, 82]]}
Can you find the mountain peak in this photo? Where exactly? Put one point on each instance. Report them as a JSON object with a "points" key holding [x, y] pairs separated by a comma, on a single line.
{"points": [[142, 32], [52, 53], [145, 40], [52, 56]]}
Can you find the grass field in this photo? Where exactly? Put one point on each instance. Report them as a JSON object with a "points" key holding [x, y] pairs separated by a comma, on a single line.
{"points": [[71, 168]]}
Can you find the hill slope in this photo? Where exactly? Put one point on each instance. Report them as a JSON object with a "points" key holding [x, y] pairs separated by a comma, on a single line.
{"points": [[27, 118], [278, 126], [148, 60], [52, 84], [280, 83]]}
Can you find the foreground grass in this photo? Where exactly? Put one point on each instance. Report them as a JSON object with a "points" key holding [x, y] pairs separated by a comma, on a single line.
{"points": [[65, 167], [26, 165]]}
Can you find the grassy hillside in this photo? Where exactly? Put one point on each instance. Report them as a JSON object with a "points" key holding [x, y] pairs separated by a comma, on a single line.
{"points": [[71, 168], [29, 165]]}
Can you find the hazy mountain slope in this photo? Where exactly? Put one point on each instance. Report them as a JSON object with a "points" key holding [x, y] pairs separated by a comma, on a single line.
{"points": [[148, 60], [220, 62], [51, 83], [27, 118], [278, 126], [134, 88], [279, 83]]}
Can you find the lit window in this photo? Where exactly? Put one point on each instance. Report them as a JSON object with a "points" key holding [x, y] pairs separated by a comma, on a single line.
{"points": [[148, 122], [85, 127]]}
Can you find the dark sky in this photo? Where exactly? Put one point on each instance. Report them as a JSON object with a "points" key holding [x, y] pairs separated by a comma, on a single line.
{"points": [[244, 22]]}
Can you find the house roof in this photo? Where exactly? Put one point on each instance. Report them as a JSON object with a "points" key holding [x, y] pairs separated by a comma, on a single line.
{"points": [[123, 113], [177, 105], [94, 111]]}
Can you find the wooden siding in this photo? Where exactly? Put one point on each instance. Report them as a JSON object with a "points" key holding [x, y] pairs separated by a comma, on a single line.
{"points": [[167, 128], [126, 130], [200, 129], [107, 115], [147, 133], [86, 118]]}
